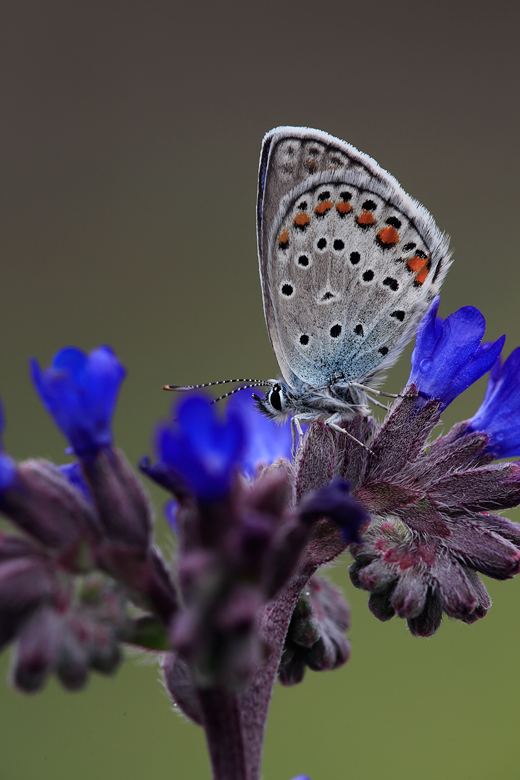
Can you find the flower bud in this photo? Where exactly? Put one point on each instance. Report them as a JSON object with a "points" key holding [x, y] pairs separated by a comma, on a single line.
{"points": [[179, 684], [44, 504], [36, 651], [316, 633]]}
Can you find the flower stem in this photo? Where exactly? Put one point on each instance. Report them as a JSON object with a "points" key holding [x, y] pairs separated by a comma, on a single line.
{"points": [[255, 700], [235, 723], [223, 727]]}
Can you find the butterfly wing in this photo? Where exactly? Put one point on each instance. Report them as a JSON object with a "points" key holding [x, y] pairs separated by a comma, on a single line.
{"points": [[348, 261]]}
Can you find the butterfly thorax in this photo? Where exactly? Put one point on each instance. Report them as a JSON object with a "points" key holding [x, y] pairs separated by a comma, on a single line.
{"points": [[309, 403]]}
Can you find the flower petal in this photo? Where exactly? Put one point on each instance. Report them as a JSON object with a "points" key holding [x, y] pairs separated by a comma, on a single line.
{"points": [[266, 440], [80, 391], [449, 357], [203, 449], [499, 414]]}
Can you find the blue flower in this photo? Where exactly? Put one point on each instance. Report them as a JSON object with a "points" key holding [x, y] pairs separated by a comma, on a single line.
{"points": [[80, 391], [448, 355], [499, 414], [203, 449], [266, 440], [7, 464]]}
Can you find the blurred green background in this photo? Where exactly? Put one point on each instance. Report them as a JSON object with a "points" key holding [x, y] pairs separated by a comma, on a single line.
{"points": [[129, 143]]}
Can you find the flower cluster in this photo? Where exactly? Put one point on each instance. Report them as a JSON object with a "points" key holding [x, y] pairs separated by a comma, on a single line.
{"points": [[84, 542], [433, 507], [240, 541], [81, 575], [316, 635]]}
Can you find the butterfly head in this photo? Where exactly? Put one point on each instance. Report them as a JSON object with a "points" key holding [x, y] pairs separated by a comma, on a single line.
{"points": [[276, 403]]}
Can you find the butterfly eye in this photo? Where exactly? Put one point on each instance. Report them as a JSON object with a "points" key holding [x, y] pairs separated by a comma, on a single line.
{"points": [[275, 398]]}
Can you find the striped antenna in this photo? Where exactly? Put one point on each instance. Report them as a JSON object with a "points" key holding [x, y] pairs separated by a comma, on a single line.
{"points": [[249, 383], [235, 390]]}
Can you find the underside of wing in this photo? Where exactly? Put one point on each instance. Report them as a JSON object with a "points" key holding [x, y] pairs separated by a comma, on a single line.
{"points": [[348, 261]]}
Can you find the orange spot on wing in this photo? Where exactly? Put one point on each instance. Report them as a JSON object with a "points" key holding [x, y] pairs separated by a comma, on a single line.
{"points": [[301, 220], [283, 240], [416, 263], [343, 208], [322, 208], [421, 267], [366, 218], [420, 278], [388, 235]]}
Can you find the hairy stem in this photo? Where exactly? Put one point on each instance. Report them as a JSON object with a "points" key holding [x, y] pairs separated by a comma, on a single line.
{"points": [[223, 727], [255, 700]]}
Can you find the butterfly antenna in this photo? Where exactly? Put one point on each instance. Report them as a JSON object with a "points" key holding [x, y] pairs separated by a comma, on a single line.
{"points": [[237, 390], [186, 388]]}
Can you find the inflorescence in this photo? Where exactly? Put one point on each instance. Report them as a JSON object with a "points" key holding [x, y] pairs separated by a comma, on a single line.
{"points": [[80, 574]]}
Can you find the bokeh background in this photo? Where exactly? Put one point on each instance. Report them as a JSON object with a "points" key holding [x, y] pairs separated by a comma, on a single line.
{"points": [[129, 142]]}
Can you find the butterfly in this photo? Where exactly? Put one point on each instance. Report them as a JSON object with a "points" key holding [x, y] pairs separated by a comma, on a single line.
{"points": [[349, 264]]}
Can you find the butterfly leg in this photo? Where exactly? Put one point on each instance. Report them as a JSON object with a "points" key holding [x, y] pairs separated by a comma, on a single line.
{"points": [[374, 391], [335, 427], [378, 404], [371, 391], [297, 431]]}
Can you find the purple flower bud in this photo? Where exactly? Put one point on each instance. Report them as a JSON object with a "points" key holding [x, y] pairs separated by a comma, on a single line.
{"points": [[448, 356], [179, 684], [73, 474], [105, 654], [44, 504], [162, 474], [292, 668], [39, 500], [499, 413], [335, 503], [26, 581], [216, 633], [80, 391], [72, 663], [316, 635], [79, 632], [123, 506], [36, 650], [144, 573]]}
